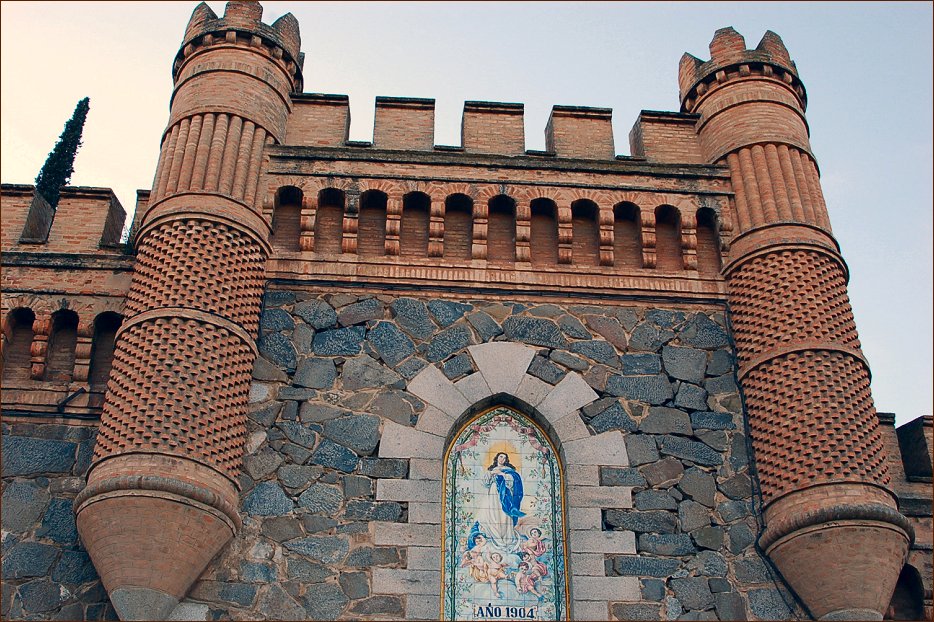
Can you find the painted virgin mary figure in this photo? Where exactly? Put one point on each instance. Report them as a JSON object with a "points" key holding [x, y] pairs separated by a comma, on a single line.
{"points": [[500, 508]]}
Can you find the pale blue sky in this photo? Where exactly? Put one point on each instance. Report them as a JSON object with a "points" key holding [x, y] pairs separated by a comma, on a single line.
{"points": [[867, 68]]}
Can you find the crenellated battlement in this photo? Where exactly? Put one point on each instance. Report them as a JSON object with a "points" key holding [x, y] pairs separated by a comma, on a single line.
{"points": [[86, 220], [404, 123], [242, 24], [730, 60], [487, 128], [304, 317]]}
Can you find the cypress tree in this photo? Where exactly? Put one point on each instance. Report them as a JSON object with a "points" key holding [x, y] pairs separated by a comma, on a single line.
{"points": [[58, 167]]}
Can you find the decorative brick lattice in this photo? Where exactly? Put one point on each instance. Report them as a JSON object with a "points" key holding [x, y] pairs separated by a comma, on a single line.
{"points": [[180, 387], [808, 430], [789, 297], [201, 265], [811, 413]]}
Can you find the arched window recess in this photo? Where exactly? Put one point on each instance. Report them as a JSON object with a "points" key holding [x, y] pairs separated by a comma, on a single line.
{"points": [[504, 545]]}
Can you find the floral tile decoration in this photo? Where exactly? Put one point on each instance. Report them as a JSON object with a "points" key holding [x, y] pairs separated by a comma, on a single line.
{"points": [[504, 549]]}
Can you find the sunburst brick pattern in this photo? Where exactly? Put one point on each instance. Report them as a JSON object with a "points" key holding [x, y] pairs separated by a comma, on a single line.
{"points": [[178, 386]]}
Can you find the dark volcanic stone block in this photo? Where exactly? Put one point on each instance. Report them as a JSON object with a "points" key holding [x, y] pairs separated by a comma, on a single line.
{"points": [[316, 313], [23, 455], [534, 331]]}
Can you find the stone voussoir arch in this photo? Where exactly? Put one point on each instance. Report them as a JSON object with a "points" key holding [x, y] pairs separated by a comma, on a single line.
{"points": [[502, 379]]}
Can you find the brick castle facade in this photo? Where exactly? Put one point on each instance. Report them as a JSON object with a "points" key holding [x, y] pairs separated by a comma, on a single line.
{"points": [[244, 413]]}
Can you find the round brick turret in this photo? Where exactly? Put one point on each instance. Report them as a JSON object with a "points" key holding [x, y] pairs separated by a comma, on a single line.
{"points": [[162, 491], [832, 524]]}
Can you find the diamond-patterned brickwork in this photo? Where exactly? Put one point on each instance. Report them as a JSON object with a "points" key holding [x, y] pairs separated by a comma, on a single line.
{"points": [[179, 387], [789, 297], [812, 419], [199, 265], [811, 414]]}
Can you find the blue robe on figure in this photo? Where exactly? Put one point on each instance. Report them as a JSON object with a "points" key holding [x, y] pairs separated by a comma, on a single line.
{"points": [[510, 500]]}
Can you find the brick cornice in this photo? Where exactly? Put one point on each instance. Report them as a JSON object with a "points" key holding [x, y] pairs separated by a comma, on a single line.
{"points": [[637, 166], [183, 491], [712, 77], [66, 261], [782, 235]]}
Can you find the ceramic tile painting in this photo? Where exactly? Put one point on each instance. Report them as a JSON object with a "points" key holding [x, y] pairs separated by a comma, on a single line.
{"points": [[504, 533]]}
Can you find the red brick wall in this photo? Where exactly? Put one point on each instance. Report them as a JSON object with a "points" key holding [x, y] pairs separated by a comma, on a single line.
{"points": [[402, 123], [13, 211], [489, 127], [577, 132], [666, 137], [84, 218], [318, 120]]}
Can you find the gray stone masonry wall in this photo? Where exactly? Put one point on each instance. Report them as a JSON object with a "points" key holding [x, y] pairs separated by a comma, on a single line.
{"points": [[341, 480], [47, 574], [334, 376]]}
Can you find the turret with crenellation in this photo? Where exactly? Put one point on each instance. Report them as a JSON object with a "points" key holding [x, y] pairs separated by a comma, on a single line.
{"points": [[832, 524], [172, 434]]}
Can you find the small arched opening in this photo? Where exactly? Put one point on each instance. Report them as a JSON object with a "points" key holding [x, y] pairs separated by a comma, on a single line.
{"points": [[329, 221], [287, 219], [627, 236], [543, 239], [60, 361], [586, 233], [501, 232], [102, 349], [413, 232], [668, 239], [16, 352], [908, 599], [708, 243], [371, 228], [458, 227]]}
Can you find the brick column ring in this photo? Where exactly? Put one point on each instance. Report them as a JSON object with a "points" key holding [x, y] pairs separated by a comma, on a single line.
{"points": [[162, 498], [832, 524]]}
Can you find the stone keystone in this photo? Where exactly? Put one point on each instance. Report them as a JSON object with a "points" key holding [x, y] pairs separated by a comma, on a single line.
{"points": [[502, 364]]}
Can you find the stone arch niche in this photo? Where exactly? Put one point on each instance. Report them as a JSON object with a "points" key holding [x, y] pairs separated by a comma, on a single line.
{"points": [[504, 550], [501, 379]]}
